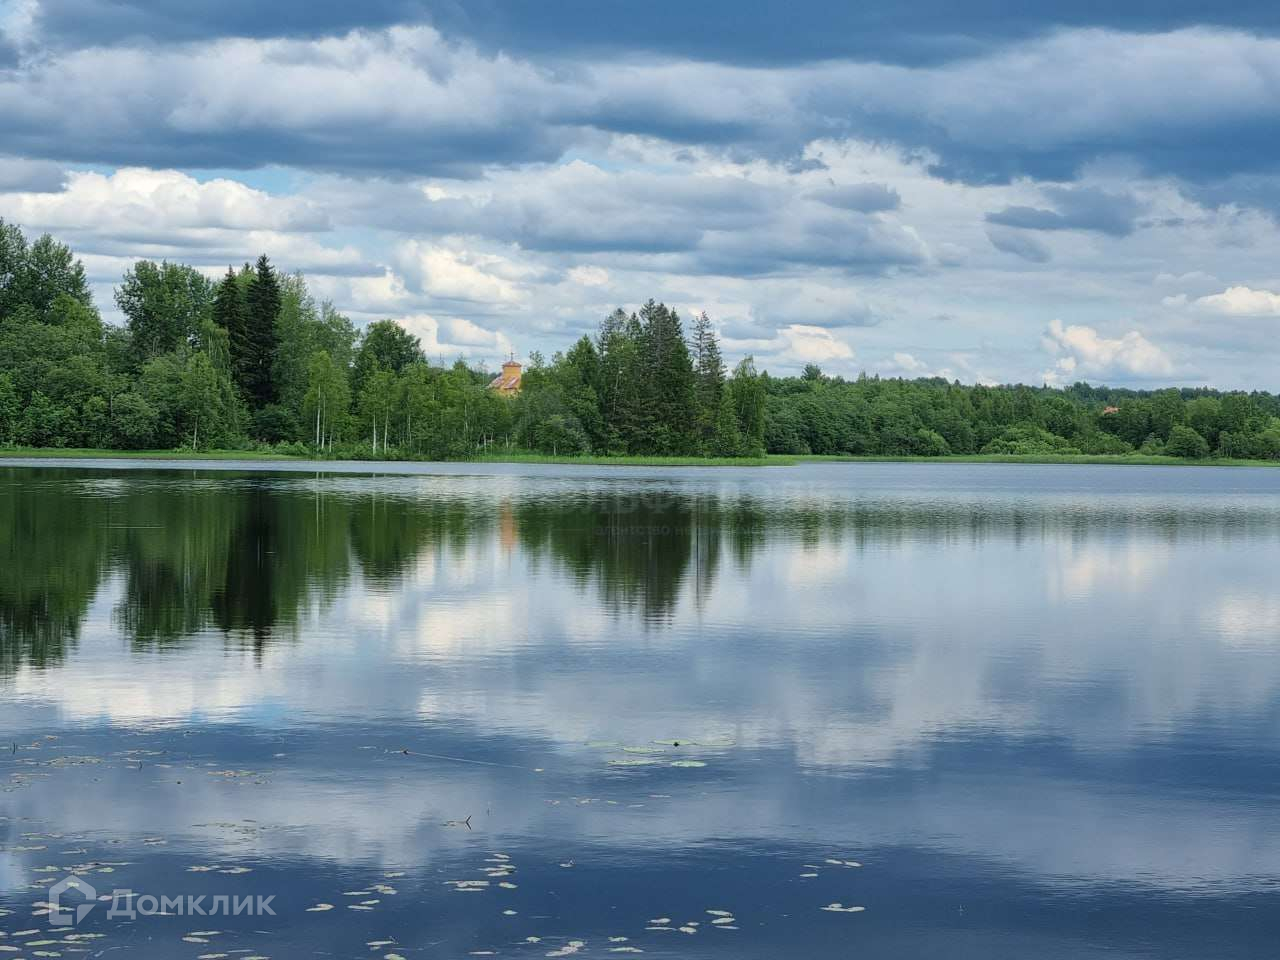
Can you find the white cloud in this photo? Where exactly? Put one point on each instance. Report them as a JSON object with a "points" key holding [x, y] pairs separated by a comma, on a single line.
{"points": [[802, 344], [458, 275], [1083, 352], [444, 339], [908, 363], [1241, 302], [145, 204], [18, 21], [589, 276]]}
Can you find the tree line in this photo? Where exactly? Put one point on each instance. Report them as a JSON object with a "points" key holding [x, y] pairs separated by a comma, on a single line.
{"points": [[817, 414], [252, 360]]}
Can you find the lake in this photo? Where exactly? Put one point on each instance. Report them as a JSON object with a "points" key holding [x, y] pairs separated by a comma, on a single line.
{"points": [[526, 711]]}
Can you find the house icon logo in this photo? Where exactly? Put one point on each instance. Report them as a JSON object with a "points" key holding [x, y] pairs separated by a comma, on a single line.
{"points": [[70, 900]]}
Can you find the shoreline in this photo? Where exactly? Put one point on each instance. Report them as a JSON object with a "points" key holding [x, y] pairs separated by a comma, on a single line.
{"points": [[770, 460]]}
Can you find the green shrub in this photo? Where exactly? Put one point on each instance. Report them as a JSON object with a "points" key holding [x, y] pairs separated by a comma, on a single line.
{"points": [[1185, 442]]}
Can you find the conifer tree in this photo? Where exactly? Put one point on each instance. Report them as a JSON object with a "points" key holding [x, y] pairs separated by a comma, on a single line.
{"points": [[726, 437], [708, 368], [667, 422], [232, 314], [263, 307], [617, 346]]}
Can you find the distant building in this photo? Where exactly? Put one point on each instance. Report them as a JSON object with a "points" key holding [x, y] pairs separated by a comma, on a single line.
{"points": [[507, 383], [1107, 411]]}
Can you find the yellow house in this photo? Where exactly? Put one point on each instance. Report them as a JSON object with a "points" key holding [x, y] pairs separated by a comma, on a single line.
{"points": [[507, 383]]}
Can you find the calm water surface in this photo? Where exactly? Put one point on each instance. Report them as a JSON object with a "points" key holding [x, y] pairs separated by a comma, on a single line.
{"points": [[1012, 711]]}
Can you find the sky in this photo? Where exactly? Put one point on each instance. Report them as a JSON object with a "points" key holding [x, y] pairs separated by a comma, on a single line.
{"points": [[1046, 194]]}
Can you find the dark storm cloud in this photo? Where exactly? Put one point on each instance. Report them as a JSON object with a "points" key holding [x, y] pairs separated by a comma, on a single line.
{"points": [[1080, 208], [725, 31], [1019, 244], [692, 223], [94, 22], [1040, 103], [34, 176], [862, 197]]}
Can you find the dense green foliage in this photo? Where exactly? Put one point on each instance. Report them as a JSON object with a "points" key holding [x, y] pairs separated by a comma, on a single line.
{"points": [[253, 360], [933, 417]]}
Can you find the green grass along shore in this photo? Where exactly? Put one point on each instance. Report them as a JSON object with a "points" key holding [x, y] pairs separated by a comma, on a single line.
{"points": [[771, 460]]}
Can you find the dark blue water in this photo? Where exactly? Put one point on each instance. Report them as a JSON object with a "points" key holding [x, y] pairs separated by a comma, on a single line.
{"points": [[1010, 711]]}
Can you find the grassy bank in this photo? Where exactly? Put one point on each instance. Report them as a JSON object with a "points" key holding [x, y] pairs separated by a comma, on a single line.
{"points": [[626, 461], [64, 453], [73, 453], [772, 460], [1135, 459]]}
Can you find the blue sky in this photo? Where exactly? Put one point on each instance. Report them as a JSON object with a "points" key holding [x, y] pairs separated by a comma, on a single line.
{"points": [[1062, 192]]}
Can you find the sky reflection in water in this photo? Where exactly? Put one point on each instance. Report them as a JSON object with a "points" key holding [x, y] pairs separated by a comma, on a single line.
{"points": [[1038, 705]]}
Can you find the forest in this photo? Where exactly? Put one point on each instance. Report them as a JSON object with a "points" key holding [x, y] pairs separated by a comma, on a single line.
{"points": [[252, 362]]}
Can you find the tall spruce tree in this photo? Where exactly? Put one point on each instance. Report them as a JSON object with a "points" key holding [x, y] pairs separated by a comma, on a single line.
{"points": [[617, 346], [708, 370], [231, 312], [263, 301], [669, 406]]}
